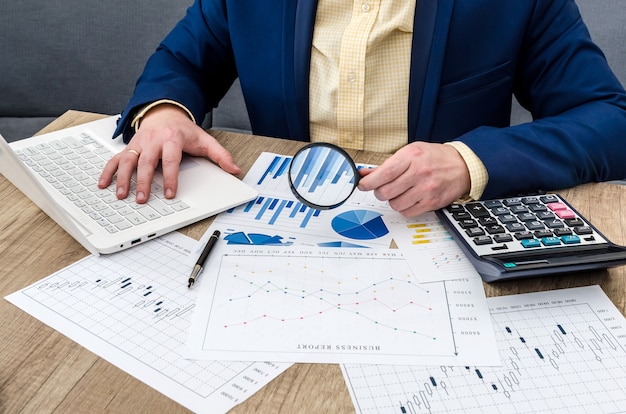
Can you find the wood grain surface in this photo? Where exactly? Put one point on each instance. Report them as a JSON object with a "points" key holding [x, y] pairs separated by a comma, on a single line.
{"points": [[41, 371]]}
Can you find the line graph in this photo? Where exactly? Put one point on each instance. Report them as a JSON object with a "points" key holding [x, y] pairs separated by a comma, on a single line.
{"points": [[318, 287], [562, 352], [305, 304], [329, 300]]}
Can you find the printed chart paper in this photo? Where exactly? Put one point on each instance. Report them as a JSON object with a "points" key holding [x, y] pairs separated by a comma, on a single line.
{"points": [[428, 247], [345, 295], [563, 351], [133, 309], [277, 218], [336, 305]]}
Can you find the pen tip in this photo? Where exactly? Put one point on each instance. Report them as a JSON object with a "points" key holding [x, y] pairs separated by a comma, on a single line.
{"points": [[190, 283]]}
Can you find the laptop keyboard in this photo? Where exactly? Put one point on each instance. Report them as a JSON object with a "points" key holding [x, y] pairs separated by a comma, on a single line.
{"points": [[73, 166]]}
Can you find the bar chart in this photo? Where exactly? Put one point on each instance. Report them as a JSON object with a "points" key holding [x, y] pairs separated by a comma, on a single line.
{"points": [[134, 310], [277, 218], [562, 352]]}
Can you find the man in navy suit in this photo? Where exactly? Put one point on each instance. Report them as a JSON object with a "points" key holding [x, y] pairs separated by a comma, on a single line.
{"points": [[324, 70]]}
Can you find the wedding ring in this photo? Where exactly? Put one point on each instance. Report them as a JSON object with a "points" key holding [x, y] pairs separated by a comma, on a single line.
{"points": [[133, 151]]}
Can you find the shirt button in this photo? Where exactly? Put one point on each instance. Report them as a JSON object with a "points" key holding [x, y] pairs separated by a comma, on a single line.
{"points": [[365, 7], [351, 77]]}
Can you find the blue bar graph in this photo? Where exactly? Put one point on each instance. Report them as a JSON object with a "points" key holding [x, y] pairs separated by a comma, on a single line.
{"points": [[320, 167], [276, 169], [279, 210], [270, 210], [263, 209], [283, 167], [324, 171]]}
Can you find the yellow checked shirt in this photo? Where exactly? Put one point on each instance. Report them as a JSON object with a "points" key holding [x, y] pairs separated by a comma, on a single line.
{"points": [[359, 79]]}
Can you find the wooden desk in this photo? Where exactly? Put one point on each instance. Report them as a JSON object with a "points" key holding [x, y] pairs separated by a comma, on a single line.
{"points": [[41, 371]]}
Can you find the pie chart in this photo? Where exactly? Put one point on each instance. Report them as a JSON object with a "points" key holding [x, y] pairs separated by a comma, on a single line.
{"points": [[360, 225]]}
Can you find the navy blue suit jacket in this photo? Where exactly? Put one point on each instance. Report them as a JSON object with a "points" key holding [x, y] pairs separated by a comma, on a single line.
{"points": [[468, 58]]}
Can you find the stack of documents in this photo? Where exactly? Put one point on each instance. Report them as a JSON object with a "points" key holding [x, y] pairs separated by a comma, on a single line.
{"points": [[393, 300]]}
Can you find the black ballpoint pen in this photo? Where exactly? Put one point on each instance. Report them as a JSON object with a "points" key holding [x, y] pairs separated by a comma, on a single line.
{"points": [[205, 253]]}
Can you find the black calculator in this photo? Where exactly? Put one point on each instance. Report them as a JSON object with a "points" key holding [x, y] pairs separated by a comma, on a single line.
{"points": [[528, 236]]}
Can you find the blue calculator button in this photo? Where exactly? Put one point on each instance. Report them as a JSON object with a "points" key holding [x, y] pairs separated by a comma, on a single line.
{"points": [[570, 239], [551, 241], [529, 243]]}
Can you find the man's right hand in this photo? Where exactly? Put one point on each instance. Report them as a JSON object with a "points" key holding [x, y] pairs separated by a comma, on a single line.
{"points": [[165, 132]]}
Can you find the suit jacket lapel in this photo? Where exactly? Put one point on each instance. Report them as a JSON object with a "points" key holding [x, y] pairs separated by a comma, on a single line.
{"points": [[432, 19], [430, 33], [299, 20]]}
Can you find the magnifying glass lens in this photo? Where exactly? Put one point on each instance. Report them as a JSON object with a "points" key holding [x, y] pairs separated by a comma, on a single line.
{"points": [[322, 175]]}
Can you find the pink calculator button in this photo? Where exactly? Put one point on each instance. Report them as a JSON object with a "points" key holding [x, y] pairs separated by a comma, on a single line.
{"points": [[557, 206], [565, 214]]}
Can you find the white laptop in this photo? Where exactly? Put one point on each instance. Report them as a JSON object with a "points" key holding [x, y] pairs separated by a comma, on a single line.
{"points": [[59, 172]]}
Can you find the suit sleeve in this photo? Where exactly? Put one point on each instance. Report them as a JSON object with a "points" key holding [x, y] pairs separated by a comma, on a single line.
{"points": [[578, 133], [193, 65]]}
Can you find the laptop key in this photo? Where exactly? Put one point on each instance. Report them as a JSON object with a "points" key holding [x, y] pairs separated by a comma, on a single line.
{"points": [[73, 166]]}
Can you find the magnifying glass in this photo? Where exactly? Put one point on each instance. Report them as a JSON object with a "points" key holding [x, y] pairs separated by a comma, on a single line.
{"points": [[322, 175]]}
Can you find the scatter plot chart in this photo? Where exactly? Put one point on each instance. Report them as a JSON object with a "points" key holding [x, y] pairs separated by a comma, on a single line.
{"points": [[562, 352], [335, 305]]}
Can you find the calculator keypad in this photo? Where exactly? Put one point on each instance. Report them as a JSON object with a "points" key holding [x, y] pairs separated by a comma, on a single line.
{"points": [[520, 224]]}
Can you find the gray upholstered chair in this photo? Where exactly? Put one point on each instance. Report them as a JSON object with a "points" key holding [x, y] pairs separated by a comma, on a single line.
{"points": [[84, 55]]}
